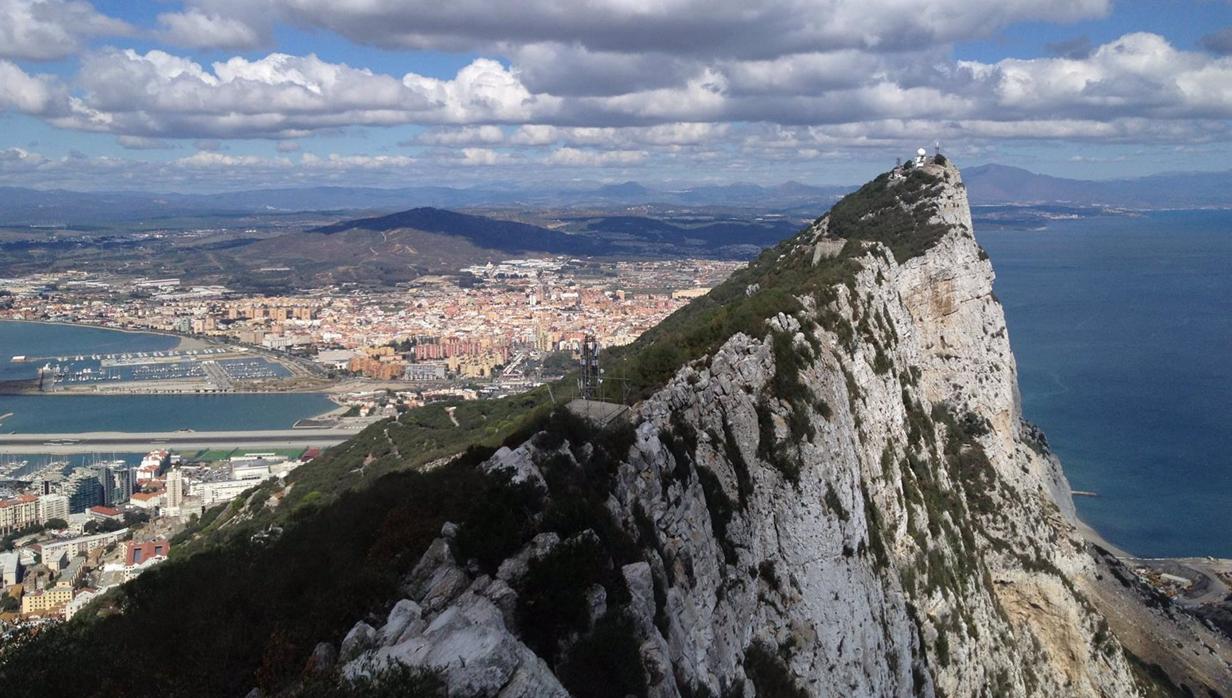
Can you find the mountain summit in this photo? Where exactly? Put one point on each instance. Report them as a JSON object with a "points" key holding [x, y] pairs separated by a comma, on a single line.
{"points": [[823, 486]]}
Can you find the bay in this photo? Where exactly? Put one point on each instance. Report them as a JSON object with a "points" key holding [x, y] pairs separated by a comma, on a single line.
{"points": [[145, 413]]}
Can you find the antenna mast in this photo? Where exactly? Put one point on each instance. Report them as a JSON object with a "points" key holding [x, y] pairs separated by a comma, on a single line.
{"points": [[588, 382]]}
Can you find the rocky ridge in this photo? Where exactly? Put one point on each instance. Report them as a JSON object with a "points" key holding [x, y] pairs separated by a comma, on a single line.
{"points": [[849, 504]]}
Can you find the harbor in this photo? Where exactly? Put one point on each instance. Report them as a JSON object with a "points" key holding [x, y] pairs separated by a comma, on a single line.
{"points": [[211, 370]]}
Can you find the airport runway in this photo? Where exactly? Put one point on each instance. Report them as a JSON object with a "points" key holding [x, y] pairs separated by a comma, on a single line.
{"points": [[115, 441]]}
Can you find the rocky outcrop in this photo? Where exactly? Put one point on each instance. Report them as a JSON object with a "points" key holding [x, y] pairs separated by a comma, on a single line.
{"points": [[846, 505], [456, 625]]}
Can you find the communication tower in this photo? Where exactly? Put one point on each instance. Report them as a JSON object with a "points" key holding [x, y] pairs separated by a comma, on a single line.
{"points": [[588, 382]]}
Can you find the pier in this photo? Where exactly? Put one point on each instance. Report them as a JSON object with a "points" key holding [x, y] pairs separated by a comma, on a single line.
{"points": [[129, 357]]}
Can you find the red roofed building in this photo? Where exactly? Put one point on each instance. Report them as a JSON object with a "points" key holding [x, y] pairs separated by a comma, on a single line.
{"points": [[146, 500], [138, 557], [101, 514], [137, 553]]}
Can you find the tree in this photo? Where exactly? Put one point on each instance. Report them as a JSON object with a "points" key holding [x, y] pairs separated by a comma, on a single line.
{"points": [[55, 524], [135, 518]]}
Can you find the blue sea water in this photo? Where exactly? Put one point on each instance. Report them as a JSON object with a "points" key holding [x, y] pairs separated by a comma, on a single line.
{"points": [[1122, 328], [76, 413], [141, 413]]}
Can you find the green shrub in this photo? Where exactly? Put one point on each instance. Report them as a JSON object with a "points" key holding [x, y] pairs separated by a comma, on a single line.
{"points": [[768, 574], [890, 212], [500, 522], [606, 663], [834, 504], [394, 681], [552, 601]]}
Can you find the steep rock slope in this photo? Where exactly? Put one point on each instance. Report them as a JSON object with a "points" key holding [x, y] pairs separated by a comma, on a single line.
{"points": [[845, 502]]}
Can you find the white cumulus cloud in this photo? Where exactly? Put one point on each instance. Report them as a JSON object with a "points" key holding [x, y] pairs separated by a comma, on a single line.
{"points": [[50, 29]]}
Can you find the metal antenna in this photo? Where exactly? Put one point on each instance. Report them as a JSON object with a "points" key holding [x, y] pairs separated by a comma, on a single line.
{"points": [[589, 380]]}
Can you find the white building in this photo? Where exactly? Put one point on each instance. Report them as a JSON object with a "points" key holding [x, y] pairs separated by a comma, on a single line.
{"points": [[212, 493], [10, 568], [175, 488], [53, 506], [54, 552], [250, 468], [425, 371], [149, 501], [81, 598], [335, 358]]}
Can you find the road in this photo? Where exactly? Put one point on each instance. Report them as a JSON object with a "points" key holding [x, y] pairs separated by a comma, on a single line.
{"points": [[92, 442]]}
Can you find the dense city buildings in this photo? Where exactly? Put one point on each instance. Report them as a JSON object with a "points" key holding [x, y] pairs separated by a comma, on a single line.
{"points": [[473, 326], [62, 557]]}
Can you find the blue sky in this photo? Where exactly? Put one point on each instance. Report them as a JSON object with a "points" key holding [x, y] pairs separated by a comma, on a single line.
{"points": [[223, 94]]}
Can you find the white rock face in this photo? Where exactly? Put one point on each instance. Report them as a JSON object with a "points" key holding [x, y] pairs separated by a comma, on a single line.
{"points": [[899, 561], [459, 630]]}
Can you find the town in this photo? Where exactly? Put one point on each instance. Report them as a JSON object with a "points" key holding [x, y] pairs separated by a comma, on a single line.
{"points": [[70, 535], [495, 329]]}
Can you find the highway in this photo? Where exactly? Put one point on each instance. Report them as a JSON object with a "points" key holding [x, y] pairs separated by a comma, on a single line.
{"points": [[116, 441]]}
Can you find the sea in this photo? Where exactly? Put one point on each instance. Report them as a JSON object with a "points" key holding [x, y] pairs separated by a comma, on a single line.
{"points": [[140, 413], [1122, 327]]}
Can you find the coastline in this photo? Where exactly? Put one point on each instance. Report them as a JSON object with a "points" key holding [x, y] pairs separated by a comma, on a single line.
{"points": [[1090, 535]]}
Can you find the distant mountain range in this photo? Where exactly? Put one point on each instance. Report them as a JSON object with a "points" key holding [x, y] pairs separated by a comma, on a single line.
{"points": [[24, 207], [480, 231], [450, 238], [986, 184], [388, 249], [998, 184], [402, 245]]}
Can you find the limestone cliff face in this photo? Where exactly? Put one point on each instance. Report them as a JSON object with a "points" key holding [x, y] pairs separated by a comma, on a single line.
{"points": [[889, 528]]}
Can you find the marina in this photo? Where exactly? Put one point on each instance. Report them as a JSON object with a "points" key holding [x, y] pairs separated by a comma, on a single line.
{"points": [[74, 359], [217, 369]]}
